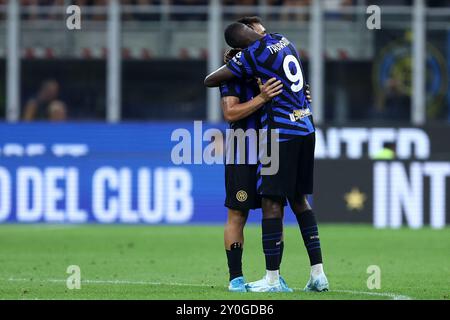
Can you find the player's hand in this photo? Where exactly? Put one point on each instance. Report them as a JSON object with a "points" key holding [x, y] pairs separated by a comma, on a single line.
{"points": [[229, 54], [308, 92], [270, 89]]}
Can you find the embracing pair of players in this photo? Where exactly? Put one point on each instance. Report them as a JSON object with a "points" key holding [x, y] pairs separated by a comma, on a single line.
{"points": [[262, 87]]}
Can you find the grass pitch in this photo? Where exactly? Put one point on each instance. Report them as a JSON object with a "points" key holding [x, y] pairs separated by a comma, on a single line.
{"points": [[185, 262]]}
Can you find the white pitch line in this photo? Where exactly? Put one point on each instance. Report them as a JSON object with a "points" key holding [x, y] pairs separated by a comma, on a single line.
{"points": [[393, 296], [114, 282]]}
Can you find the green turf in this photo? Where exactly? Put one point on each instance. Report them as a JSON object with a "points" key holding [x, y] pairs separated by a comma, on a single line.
{"points": [[154, 262]]}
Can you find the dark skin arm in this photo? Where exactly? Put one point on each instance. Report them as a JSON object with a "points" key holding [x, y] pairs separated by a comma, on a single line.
{"points": [[233, 110], [223, 74], [214, 79]]}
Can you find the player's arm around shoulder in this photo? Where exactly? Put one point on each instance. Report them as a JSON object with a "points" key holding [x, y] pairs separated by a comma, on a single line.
{"points": [[234, 110], [221, 75], [234, 68], [228, 103]]}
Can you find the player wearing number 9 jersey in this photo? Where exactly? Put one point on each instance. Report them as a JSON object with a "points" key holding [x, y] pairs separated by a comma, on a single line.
{"points": [[264, 57], [289, 113], [274, 56]]}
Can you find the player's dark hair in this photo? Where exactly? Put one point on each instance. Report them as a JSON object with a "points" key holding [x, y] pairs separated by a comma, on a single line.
{"points": [[250, 20], [234, 35]]}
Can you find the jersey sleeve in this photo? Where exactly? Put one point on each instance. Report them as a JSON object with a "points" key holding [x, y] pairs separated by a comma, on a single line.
{"points": [[230, 89], [240, 65]]}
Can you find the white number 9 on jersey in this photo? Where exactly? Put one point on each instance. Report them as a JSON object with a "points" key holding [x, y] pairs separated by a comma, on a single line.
{"points": [[297, 77]]}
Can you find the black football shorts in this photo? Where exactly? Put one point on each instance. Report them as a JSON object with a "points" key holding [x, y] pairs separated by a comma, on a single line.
{"points": [[240, 187], [295, 174]]}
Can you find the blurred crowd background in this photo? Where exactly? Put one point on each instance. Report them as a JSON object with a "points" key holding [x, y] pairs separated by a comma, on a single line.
{"points": [[286, 4], [165, 51]]}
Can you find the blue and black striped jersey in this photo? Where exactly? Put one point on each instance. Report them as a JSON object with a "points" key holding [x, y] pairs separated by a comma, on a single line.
{"points": [[275, 56], [245, 90]]}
